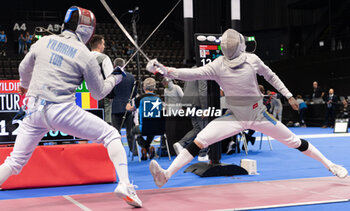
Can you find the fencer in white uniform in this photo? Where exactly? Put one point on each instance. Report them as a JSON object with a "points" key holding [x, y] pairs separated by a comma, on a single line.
{"points": [[49, 75], [235, 72]]}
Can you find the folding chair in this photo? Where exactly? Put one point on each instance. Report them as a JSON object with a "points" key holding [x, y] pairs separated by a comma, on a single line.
{"points": [[268, 139], [243, 138], [152, 127]]}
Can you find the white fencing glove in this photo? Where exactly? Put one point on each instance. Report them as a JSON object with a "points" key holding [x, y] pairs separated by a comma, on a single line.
{"points": [[161, 69], [155, 67], [151, 67]]}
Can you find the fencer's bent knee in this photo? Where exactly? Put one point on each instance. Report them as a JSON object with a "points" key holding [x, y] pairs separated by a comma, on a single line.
{"points": [[303, 146], [111, 134], [193, 149]]}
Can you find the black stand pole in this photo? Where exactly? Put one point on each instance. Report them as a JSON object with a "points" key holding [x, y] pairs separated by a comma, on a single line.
{"points": [[214, 101], [138, 73]]}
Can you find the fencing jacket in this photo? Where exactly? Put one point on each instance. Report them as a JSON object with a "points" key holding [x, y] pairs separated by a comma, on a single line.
{"points": [[239, 84], [57, 64]]}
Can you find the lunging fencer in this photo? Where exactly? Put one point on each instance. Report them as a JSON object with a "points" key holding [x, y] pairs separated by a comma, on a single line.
{"points": [[235, 72], [49, 75]]}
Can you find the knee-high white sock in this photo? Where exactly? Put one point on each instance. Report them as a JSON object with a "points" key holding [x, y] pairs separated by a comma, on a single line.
{"points": [[180, 161], [5, 173], [313, 152], [117, 155]]}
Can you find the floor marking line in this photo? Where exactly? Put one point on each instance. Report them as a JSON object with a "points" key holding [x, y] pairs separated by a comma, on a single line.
{"points": [[286, 205], [81, 206], [329, 135]]}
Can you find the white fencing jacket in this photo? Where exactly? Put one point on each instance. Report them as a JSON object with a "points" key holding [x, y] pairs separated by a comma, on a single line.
{"points": [[239, 84], [57, 64]]}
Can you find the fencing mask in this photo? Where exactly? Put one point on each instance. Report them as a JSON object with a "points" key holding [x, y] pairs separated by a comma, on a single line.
{"points": [[233, 46], [81, 21]]}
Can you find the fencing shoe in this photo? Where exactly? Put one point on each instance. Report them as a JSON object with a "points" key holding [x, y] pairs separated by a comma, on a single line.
{"points": [[128, 194], [338, 171], [143, 154], [203, 158], [177, 148], [231, 148], [158, 173]]}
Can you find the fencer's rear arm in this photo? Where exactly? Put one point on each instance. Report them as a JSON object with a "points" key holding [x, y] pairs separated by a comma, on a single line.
{"points": [[98, 87], [26, 68], [271, 77]]}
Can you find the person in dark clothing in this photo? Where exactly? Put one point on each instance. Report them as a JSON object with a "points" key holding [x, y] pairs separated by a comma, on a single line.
{"points": [[21, 44], [195, 95], [317, 93], [331, 108], [344, 111], [121, 95], [3, 41]]}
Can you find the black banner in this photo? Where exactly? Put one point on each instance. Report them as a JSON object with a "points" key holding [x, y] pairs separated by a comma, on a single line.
{"points": [[9, 128]]}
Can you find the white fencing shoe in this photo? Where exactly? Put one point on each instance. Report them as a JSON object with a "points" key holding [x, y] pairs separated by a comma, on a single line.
{"points": [[204, 158], [338, 171], [158, 173], [128, 194], [177, 148]]}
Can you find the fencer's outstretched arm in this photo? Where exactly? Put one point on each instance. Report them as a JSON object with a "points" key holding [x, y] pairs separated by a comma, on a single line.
{"points": [[98, 87], [191, 74], [206, 72]]}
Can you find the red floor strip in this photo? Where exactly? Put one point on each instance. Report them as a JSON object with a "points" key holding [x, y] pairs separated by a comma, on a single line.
{"points": [[213, 197]]}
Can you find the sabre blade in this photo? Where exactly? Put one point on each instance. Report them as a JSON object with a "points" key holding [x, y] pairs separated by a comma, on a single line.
{"points": [[123, 29], [149, 36]]}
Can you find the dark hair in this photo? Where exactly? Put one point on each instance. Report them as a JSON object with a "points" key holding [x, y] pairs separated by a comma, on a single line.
{"points": [[73, 21], [95, 41]]}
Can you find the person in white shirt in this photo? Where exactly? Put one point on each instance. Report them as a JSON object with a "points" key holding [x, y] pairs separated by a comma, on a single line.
{"points": [[97, 45], [172, 95], [235, 72], [49, 76]]}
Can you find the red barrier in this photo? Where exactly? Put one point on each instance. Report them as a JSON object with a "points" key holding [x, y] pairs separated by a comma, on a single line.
{"points": [[61, 165]]}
